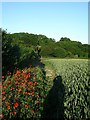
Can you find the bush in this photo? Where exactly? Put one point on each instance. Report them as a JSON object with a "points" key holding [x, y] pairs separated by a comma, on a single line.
{"points": [[23, 94], [10, 53]]}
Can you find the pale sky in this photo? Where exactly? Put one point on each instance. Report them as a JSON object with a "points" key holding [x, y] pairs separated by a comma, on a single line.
{"points": [[53, 19]]}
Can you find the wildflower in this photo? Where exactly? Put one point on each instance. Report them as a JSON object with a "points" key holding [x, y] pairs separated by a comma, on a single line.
{"points": [[15, 113], [8, 107], [28, 89], [24, 85], [35, 83], [16, 83], [25, 93], [3, 98], [34, 74], [10, 96], [1, 115], [18, 72], [34, 78], [26, 76], [10, 113], [30, 83], [16, 105], [19, 90], [3, 77], [9, 73], [4, 87], [37, 96], [6, 102], [11, 88], [3, 93], [32, 111], [9, 80], [32, 93], [26, 106], [15, 98]]}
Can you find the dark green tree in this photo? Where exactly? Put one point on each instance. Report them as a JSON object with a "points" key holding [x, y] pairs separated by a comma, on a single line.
{"points": [[10, 54]]}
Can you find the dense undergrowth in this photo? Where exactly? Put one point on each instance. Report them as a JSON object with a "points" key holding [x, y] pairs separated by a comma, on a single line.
{"points": [[23, 94]]}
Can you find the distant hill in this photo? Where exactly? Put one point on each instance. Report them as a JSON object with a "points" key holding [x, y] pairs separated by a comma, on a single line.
{"points": [[64, 48]]}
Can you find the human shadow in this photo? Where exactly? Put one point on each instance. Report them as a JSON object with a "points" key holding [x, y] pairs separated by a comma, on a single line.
{"points": [[54, 102]]}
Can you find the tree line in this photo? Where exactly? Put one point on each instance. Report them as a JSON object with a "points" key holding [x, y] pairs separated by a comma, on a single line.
{"points": [[17, 48], [64, 48]]}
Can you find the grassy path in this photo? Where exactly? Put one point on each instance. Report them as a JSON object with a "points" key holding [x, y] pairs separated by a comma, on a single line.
{"points": [[50, 73]]}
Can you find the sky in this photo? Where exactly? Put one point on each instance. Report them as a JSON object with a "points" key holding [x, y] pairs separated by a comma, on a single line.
{"points": [[52, 19], [45, 0]]}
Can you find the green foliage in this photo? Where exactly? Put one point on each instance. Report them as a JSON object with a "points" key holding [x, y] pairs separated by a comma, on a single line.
{"points": [[23, 94], [47, 50], [18, 48], [64, 39], [10, 53], [59, 52], [73, 47], [76, 80], [63, 48], [14, 52]]}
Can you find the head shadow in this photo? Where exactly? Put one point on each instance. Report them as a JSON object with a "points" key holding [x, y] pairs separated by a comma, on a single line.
{"points": [[54, 102]]}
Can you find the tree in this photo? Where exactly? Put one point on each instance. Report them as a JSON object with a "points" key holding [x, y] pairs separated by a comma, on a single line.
{"points": [[10, 54]]}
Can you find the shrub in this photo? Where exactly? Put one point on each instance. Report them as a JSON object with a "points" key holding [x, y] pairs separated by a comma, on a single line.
{"points": [[23, 94]]}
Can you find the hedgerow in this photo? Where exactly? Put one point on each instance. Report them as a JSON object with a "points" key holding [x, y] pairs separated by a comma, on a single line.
{"points": [[23, 94]]}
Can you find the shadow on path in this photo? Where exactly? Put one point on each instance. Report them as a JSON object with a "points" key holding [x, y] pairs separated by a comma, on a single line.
{"points": [[54, 103]]}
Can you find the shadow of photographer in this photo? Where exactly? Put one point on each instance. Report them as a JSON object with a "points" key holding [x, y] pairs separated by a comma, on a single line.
{"points": [[54, 102]]}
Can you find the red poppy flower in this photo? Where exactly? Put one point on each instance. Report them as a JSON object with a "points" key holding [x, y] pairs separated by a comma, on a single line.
{"points": [[9, 73], [30, 83], [3, 93], [32, 93], [26, 106], [16, 83], [10, 113], [1, 115], [18, 72], [8, 107], [3, 77], [16, 104], [6, 102], [15, 113]]}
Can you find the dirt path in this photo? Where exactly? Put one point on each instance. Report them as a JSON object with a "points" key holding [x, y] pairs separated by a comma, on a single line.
{"points": [[50, 73]]}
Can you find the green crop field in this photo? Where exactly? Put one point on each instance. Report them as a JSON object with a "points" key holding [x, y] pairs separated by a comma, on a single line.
{"points": [[74, 75]]}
